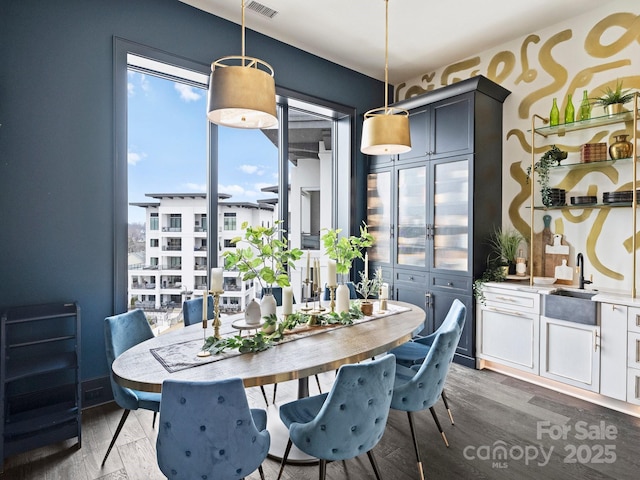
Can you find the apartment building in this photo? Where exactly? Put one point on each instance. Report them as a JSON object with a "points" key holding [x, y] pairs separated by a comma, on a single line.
{"points": [[175, 262]]}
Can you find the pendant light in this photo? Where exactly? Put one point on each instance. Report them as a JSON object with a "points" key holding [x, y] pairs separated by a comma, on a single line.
{"points": [[385, 130], [242, 91]]}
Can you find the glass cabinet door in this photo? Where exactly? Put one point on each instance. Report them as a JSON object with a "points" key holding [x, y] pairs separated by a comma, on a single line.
{"points": [[451, 215], [412, 216], [379, 215]]}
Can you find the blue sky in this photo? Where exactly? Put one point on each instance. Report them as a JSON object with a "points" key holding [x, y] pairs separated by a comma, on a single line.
{"points": [[167, 148]]}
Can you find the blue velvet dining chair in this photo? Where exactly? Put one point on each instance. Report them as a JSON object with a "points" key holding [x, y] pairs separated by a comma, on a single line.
{"points": [[419, 387], [121, 332], [414, 352], [207, 430], [192, 310], [346, 422]]}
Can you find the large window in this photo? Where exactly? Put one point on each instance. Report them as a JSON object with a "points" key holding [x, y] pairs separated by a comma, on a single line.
{"points": [[248, 170]]}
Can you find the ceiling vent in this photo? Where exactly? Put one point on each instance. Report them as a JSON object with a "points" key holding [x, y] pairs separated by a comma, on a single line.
{"points": [[262, 9]]}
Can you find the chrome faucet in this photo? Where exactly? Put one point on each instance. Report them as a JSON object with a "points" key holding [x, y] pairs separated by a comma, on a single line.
{"points": [[580, 268]]}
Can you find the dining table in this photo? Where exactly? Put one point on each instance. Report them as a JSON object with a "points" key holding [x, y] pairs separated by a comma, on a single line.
{"points": [[310, 350]]}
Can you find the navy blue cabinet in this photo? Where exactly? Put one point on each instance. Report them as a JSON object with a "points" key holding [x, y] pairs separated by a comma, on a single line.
{"points": [[39, 377]]}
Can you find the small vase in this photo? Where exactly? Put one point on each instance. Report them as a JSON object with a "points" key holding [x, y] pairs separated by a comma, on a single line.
{"points": [[585, 107], [614, 109], [554, 115], [252, 314], [621, 148], [342, 298], [268, 306], [569, 111], [366, 307]]}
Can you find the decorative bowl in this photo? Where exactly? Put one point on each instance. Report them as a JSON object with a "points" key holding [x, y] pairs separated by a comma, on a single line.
{"points": [[544, 280]]}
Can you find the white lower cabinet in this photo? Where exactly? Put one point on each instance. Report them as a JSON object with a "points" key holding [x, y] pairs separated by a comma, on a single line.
{"points": [[613, 351], [570, 353], [633, 356], [509, 337]]}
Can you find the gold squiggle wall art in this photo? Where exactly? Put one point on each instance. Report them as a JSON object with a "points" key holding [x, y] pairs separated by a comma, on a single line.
{"points": [[515, 68]]}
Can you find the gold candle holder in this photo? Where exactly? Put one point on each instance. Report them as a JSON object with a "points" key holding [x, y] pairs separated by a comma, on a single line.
{"points": [[216, 313], [332, 298]]}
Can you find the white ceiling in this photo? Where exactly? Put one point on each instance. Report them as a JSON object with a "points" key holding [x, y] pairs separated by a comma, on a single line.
{"points": [[423, 34]]}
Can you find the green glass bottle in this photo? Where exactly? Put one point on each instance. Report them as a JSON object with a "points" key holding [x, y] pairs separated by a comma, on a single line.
{"points": [[585, 107], [569, 111], [554, 115]]}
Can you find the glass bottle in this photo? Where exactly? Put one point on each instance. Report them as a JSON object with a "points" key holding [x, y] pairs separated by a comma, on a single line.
{"points": [[554, 115], [585, 107], [569, 111]]}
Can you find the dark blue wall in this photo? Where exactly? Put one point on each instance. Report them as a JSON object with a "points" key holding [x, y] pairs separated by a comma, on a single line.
{"points": [[57, 136]]}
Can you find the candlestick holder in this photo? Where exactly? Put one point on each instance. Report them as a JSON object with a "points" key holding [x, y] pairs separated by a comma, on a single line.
{"points": [[332, 298], [216, 313], [320, 308], [383, 304]]}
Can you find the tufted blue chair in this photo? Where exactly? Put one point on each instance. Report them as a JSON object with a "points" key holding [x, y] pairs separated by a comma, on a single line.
{"points": [[346, 422], [414, 352], [192, 310], [418, 388], [353, 294], [207, 430], [121, 332]]}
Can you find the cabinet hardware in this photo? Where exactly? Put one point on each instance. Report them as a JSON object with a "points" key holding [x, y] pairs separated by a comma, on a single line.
{"points": [[411, 278], [637, 388], [506, 299], [637, 320], [427, 300], [637, 351], [506, 312], [595, 341], [450, 284]]}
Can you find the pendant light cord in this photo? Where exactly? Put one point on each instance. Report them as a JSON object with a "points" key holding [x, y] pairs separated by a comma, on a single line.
{"points": [[386, 57], [243, 33]]}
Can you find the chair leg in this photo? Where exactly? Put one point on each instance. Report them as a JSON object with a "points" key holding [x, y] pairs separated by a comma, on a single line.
{"points": [[372, 459], [446, 405], [318, 382], [284, 458], [125, 414], [275, 390], [261, 472], [153, 422], [415, 444], [264, 394], [323, 469], [435, 417]]}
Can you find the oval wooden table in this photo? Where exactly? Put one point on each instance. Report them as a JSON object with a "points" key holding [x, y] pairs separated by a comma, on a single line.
{"points": [[298, 359]]}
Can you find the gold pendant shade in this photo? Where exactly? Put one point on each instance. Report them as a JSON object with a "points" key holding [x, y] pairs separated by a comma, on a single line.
{"points": [[242, 91], [385, 130]]}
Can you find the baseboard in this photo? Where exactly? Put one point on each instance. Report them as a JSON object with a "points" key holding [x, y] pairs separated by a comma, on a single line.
{"points": [[96, 392]]}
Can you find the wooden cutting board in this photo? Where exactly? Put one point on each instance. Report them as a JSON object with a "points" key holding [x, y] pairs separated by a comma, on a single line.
{"points": [[540, 240]]}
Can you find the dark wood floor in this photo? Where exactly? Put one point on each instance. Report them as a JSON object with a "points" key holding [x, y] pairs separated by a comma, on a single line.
{"points": [[491, 412]]}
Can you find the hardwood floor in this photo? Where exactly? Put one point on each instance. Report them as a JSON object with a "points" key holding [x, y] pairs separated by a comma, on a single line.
{"points": [[490, 410]]}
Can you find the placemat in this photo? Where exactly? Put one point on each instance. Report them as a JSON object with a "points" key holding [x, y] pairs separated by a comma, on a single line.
{"points": [[183, 355]]}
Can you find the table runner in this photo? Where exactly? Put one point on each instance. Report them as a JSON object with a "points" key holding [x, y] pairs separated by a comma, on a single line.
{"points": [[183, 355]]}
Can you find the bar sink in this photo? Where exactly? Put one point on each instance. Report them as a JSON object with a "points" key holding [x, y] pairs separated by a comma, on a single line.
{"points": [[572, 306]]}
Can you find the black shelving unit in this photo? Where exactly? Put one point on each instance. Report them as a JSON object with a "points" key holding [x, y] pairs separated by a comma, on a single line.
{"points": [[39, 377]]}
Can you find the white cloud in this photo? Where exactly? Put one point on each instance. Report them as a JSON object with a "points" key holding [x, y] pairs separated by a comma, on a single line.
{"points": [[187, 93], [131, 89], [133, 157], [196, 187], [231, 189], [260, 186], [249, 168]]}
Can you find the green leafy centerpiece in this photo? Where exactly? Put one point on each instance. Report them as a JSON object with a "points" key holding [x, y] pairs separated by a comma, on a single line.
{"points": [[368, 287]]}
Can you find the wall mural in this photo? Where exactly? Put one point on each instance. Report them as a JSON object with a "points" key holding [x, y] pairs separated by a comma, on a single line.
{"points": [[598, 50]]}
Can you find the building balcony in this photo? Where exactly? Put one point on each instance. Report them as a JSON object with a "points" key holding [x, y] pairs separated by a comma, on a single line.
{"points": [[172, 248], [172, 229]]}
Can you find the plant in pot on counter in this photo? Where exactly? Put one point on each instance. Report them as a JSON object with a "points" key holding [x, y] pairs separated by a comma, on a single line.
{"points": [[550, 158], [368, 287], [505, 243], [613, 100]]}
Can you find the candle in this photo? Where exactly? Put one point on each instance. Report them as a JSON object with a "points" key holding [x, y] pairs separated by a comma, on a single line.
{"points": [[318, 280], [384, 291], [287, 300], [308, 259], [204, 309], [216, 279], [331, 273], [366, 265]]}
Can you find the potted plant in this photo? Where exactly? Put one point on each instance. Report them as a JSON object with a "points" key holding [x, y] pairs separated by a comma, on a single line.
{"points": [[550, 158], [368, 287], [505, 244], [344, 250], [613, 100], [266, 258]]}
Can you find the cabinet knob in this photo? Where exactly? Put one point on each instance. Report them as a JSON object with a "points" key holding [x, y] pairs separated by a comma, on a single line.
{"points": [[411, 278], [450, 284]]}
